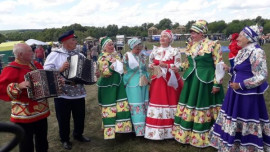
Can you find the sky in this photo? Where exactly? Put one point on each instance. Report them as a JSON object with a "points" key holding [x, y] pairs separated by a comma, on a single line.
{"points": [[41, 14]]}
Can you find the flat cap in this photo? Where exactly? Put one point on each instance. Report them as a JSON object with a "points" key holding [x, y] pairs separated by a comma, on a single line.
{"points": [[67, 35]]}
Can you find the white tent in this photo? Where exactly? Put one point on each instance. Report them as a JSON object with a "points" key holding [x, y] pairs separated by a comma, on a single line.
{"points": [[90, 38], [36, 42]]}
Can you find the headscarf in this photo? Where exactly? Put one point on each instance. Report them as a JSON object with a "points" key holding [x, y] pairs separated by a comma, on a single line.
{"points": [[169, 34], [104, 41], [234, 36], [133, 42], [199, 26], [252, 33]]}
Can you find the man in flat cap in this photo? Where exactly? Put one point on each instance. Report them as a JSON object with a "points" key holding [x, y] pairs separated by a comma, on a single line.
{"points": [[73, 98]]}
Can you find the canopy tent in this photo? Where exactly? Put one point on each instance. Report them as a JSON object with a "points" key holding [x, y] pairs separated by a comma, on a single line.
{"points": [[90, 38], [6, 50], [36, 42]]}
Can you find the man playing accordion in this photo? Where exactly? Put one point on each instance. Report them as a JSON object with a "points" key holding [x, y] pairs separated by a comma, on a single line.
{"points": [[30, 114], [73, 98]]}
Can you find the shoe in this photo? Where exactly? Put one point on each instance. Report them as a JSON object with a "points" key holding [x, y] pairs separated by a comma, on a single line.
{"points": [[82, 138], [67, 145]]}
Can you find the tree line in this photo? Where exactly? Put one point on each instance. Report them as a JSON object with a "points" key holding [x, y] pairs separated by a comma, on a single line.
{"points": [[52, 34]]}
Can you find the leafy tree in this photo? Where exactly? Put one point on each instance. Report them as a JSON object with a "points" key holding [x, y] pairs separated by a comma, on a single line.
{"points": [[112, 30], [150, 25], [189, 24], [144, 26], [217, 26], [259, 20], [123, 30], [52, 34], [2, 38], [248, 22], [234, 27], [266, 28], [165, 24], [75, 27], [175, 25]]}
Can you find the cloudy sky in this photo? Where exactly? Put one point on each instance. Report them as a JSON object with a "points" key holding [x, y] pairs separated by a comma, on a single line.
{"points": [[40, 14]]}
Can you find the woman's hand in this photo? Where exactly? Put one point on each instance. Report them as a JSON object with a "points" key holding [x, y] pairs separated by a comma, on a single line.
{"points": [[215, 90], [107, 76], [97, 73], [24, 85], [64, 66], [235, 86], [163, 65], [226, 67], [112, 67], [175, 69], [151, 66]]}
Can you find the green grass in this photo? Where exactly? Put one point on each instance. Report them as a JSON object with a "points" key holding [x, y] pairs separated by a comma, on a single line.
{"points": [[123, 142]]}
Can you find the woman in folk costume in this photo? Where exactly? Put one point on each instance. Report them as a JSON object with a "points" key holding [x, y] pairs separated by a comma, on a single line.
{"points": [[165, 88], [111, 92], [234, 48], [243, 122], [136, 81], [202, 93]]}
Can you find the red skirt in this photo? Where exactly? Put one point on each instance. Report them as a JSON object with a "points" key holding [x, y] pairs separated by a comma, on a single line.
{"points": [[162, 107]]}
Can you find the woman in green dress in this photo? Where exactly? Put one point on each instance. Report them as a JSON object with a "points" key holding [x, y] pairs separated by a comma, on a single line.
{"points": [[136, 81], [202, 94], [111, 92]]}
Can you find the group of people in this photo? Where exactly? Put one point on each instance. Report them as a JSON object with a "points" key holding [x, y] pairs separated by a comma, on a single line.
{"points": [[151, 98], [196, 111]]}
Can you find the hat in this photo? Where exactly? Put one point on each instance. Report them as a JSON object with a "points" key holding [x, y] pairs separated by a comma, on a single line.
{"points": [[103, 41], [67, 35], [199, 26], [168, 33], [133, 42], [252, 33]]}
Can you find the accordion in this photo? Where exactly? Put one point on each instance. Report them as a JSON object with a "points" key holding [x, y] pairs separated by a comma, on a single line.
{"points": [[81, 70], [43, 84]]}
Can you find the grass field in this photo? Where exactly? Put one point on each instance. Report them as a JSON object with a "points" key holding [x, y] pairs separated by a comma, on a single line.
{"points": [[123, 142]]}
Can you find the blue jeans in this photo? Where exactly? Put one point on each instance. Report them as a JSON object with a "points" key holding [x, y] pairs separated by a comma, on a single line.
{"points": [[40, 60]]}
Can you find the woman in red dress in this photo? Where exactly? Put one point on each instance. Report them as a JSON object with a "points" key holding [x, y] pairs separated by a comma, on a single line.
{"points": [[166, 85]]}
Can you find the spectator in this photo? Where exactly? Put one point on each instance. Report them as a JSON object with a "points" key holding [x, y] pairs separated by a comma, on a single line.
{"points": [[40, 54], [234, 48]]}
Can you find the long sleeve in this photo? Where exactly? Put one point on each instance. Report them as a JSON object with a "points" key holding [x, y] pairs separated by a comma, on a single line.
{"points": [[105, 61], [151, 57], [177, 59], [185, 64], [217, 57], [8, 86], [50, 61], [259, 70]]}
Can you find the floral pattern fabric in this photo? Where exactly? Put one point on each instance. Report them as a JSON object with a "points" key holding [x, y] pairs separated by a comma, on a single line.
{"points": [[165, 54], [120, 125], [138, 95], [202, 47], [105, 61], [258, 64]]}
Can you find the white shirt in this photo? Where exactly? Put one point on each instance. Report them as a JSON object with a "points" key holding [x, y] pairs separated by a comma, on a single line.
{"points": [[54, 61]]}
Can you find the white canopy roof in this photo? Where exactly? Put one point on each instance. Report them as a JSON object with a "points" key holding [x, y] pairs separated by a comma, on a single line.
{"points": [[36, 42]]}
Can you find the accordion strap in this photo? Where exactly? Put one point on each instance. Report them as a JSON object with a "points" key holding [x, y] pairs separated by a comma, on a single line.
{"points": [[18, 67]]}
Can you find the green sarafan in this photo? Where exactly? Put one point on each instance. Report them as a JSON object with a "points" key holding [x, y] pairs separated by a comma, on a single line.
{"points": [[122, 142]]}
